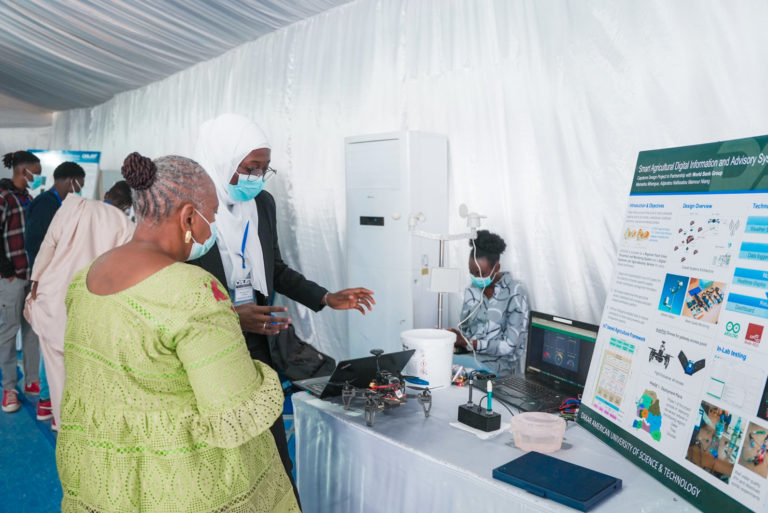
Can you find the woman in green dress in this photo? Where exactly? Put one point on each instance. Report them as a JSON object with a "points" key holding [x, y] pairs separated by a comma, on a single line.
{"points": [[163, 408]]}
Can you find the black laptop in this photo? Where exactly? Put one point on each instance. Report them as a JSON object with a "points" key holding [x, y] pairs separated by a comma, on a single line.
{"points": [[557, 360], [358, 373]]}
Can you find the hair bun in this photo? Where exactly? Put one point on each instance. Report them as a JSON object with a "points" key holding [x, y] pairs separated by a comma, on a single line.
{"points": [[139, 171], [488, 242]]}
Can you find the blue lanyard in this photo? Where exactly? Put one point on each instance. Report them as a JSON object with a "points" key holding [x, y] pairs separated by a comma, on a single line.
{"points": [[245, 239], [24, 202], [58, 198]]}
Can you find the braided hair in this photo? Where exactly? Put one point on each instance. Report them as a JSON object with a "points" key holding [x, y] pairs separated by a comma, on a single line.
{"points": [[487, 245], [161, 185], [15, 158]]}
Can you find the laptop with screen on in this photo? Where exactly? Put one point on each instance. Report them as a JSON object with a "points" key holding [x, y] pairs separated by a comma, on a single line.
{"points": [[557, 360], [358, 372]]}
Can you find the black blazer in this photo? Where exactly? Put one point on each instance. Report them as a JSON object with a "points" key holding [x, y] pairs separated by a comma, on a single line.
{"points": [[280, 277]]}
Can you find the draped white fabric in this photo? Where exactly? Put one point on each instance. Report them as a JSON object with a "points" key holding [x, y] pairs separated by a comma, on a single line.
{"points": [[62, 54], [15, 113], [546, 104], [14, 139]]}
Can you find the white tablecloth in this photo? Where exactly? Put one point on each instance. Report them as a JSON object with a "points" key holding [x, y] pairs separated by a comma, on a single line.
{"points": [[406, 463]]}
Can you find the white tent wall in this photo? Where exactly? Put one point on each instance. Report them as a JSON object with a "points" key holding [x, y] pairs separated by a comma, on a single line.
{"points": [[15, 139], [546, 104]]}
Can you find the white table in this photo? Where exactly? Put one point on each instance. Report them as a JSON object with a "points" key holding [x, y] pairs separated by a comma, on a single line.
{"points": [[406, 463]]}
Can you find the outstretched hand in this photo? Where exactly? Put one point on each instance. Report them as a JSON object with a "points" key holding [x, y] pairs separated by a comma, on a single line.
{"points": [[259, 319], [347, 299]]}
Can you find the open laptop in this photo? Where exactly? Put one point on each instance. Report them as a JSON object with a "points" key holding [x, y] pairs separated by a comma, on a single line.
{"points": [[358, 372], [557, 360]]}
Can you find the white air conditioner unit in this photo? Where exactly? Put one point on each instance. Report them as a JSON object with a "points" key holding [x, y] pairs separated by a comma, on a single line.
{"points": [[389, 178]]}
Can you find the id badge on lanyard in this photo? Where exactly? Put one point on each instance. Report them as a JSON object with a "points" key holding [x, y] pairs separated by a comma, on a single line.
{"points": [[243, 291]]}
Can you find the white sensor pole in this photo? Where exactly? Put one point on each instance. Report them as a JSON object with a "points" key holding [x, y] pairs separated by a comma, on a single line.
{"points": [[473, 223]]}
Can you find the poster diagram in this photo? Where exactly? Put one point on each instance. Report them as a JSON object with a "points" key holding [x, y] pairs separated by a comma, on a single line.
{"points": [[753, 454], [679, 374], [715, 441], [614, 376], [673, 294], [703, 300], [649, 414]]}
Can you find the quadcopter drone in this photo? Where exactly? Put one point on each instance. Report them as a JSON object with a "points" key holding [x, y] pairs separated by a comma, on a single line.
{"points": [[689, 366], [387, 391], [659, 356]]}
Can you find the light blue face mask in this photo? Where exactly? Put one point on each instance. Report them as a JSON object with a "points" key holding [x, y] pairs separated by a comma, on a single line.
{"points": [[78, 192], [198, 250], [246, 189], [37, 180], [481, 282]]}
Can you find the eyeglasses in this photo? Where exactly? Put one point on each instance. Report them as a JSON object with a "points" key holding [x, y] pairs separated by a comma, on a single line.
{"points": [[255, 173]]}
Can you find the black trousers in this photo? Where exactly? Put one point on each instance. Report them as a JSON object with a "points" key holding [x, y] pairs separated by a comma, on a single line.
{"points": [[258, 346]]}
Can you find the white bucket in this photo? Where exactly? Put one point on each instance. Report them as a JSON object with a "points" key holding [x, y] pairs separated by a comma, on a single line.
{"points": [[433, 357]]}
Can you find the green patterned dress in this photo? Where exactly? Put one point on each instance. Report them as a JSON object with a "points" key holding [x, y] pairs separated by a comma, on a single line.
{"points": [[163, 408]]}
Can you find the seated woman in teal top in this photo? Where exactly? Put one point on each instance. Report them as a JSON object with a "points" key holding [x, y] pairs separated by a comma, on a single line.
{"points": [[494, 318]]}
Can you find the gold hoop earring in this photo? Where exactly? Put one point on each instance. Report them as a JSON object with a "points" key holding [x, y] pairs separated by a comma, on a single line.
{"points": [[188, 236]]}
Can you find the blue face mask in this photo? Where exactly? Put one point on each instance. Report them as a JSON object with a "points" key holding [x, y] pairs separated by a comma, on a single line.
{"points": [[481, 282], [198, 250], [37, 180], [246, 189]]}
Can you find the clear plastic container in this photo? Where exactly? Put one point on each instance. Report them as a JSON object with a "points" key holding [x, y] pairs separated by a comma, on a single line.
{"points": [[537, 431]]}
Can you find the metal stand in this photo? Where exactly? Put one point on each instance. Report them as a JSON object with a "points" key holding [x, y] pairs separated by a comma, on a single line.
{"points": [[473, 222], [440, 263]]}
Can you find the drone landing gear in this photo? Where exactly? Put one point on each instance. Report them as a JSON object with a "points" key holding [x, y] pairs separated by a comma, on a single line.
{"points": [[425, 400], [347, 394], [372, 405]]}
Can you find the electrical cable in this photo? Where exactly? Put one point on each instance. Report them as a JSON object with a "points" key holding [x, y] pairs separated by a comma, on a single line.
{"points": [[467, 342], [497, 400], [570, 406]]}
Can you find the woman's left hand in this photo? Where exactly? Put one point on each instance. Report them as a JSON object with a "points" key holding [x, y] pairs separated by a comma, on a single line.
{"points": [[347, 299], [463, 342]]}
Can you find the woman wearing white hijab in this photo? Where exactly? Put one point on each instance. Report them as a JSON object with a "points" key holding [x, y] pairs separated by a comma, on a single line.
{"points": [[236, 154]]}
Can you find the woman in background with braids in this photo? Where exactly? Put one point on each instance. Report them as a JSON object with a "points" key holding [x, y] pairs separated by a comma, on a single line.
{"points": [[163, 410]]}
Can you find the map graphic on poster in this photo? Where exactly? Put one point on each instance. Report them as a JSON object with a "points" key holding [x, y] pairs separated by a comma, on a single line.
{"points": [[649, 414], [88, 160], [679, 379]]}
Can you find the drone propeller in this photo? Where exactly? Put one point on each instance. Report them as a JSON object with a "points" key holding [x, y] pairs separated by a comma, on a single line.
{"points": [[416, 380]]}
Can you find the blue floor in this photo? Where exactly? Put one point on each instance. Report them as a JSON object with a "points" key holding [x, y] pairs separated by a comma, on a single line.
{"points": [[30, 481]]}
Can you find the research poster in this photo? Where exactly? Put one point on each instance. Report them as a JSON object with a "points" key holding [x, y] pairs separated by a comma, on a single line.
{"points": [[679, 378], [88, 160]]}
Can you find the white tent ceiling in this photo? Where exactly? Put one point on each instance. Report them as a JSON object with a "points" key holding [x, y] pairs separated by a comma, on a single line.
{"points": [[58, 55]]}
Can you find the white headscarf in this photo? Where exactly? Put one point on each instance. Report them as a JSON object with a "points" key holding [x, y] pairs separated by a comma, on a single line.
{"points": [[222, 145]]}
